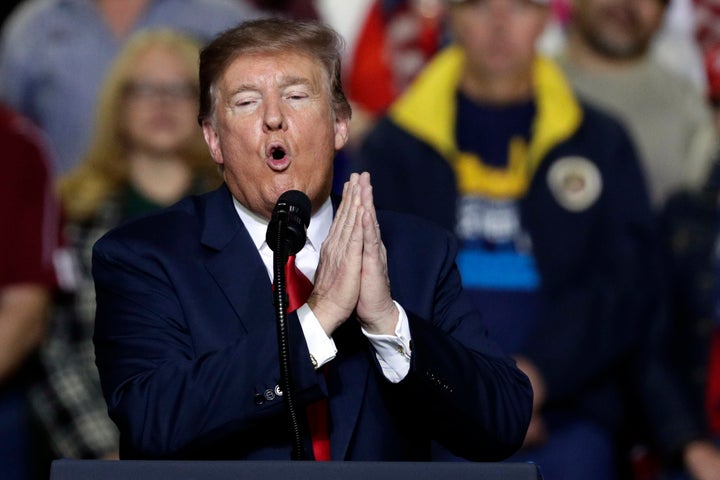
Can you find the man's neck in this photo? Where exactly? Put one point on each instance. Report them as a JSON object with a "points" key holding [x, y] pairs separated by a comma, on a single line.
{"points": [[162, 180], [498, 91]]}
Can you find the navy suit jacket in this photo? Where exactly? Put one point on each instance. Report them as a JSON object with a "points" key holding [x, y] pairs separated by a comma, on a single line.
{"points": [[186, 347]]}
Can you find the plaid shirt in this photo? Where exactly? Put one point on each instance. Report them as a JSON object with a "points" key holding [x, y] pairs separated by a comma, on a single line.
{"points": [[68, 400]]}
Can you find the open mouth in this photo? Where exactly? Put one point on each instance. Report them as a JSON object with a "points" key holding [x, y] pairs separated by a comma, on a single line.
{"points": [[277, 157], [277, 153]]}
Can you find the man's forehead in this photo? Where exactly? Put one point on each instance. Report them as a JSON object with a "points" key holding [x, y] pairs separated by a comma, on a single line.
{"points": [[282, 68]]}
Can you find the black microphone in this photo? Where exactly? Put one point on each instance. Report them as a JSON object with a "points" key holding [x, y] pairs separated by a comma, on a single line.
{"points": [[290, 219], [286, 236]]}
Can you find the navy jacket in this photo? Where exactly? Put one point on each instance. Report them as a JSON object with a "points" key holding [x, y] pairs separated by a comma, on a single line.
{"points": [[187, 351], [689, 228], [599, 267]]}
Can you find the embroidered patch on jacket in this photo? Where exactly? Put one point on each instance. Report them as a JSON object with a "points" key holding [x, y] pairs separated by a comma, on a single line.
{"points": [[575, 182]]}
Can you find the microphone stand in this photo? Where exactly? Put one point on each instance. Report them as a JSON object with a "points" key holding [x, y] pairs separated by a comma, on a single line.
{"points": [[280, 256]]}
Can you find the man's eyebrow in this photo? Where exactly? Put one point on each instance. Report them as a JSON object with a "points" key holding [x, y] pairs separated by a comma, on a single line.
{"points": [[245, 87], [294, 80], [285, 82]]}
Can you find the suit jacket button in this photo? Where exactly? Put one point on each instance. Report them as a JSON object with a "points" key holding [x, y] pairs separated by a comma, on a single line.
{"points": [[269, 395], [259, 399]]}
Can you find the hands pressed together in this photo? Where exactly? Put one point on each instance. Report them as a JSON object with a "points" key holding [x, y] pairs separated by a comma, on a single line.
{"points": [[352, 273]]}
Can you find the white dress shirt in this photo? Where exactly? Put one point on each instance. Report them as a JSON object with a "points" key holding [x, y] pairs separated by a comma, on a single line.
{"points": [[393, 351]]}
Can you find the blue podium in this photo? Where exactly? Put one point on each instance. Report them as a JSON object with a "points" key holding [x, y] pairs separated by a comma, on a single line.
{"points": [[287, 470]]}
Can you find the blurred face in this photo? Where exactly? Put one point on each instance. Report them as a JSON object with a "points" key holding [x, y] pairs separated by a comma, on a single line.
{"points": [[498, 36], [620, 29], [274, 129], [160, 105]]}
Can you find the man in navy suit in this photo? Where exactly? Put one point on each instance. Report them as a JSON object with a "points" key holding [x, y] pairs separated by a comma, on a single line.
{"points": [[186, 336]]}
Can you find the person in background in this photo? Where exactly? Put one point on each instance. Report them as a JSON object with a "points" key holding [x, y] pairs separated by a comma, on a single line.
{"points": [[607, 59], [690, 231], [146, 152], [558, 245], [54, 55], [385, 351], [29, 220]]}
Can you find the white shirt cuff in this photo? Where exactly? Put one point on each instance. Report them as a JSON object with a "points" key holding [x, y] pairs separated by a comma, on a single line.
{"points": [[393, 351], [322, 348]]}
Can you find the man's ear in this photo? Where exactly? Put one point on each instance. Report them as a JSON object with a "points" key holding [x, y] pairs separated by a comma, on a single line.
{"points": [[341, 132], [213, 141]]}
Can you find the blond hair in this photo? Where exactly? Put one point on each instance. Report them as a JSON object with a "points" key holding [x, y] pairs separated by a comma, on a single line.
{"points": [[103, 171]]}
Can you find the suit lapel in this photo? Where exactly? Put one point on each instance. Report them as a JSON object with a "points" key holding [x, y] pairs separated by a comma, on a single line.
{"points": [[236, 265]]}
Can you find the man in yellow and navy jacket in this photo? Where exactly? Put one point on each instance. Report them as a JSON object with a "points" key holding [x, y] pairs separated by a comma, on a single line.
{"points": [[547, 199]]}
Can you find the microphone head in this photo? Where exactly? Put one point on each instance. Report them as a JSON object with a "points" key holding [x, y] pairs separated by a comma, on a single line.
{"points": [[289, 222]]}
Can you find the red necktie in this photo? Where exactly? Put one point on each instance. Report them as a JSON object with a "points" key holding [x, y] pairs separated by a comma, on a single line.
{"points": [[298, 290], [297, 284]]}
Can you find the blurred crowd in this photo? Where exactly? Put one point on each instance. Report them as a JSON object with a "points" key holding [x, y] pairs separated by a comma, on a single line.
{"points": [[570, 145]]}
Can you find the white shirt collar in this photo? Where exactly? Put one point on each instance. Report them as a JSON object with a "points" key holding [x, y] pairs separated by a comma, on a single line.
{"points": [[257, 226]]}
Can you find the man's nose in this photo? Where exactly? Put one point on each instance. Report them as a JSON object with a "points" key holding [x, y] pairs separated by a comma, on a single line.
{"points": [[273, 116]]}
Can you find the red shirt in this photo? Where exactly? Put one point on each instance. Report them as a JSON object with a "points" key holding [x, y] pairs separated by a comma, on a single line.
{"points": [[29, 214]]}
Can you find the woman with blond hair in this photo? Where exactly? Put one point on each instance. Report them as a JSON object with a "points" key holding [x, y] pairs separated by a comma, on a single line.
{"points": [[146, 152], [146, 141]]}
